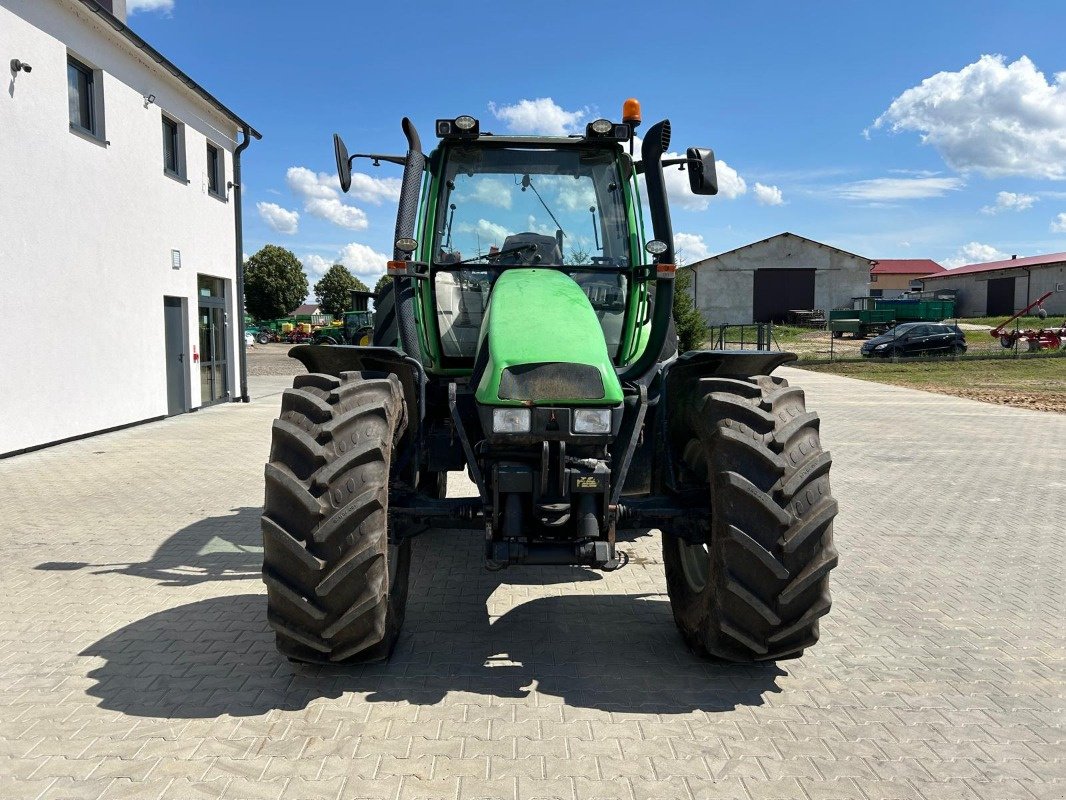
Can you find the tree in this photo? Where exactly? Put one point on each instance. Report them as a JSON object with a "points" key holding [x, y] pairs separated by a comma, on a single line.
{"points": [[334, 290], [383, 281], [274, 283], [691, 329], [578, 256]]}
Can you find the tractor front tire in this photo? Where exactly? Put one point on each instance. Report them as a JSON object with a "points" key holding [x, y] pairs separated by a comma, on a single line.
{"points": [[336, 586], [756, 590]]}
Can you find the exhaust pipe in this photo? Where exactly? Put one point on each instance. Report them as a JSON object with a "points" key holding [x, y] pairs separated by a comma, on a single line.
{"points": [[652, 148], [403, 288]]}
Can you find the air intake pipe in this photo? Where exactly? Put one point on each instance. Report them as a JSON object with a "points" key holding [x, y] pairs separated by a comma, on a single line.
{"points": [[406, 215], [652, 148]]}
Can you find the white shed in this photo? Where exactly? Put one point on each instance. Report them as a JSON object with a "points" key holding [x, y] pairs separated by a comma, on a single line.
{"points": [[765, 280]]}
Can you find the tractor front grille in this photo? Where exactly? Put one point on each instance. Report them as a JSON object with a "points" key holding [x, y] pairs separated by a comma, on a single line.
{"points": [[551, 381]]}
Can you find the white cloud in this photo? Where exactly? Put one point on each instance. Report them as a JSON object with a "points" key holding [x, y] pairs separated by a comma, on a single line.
{"points": [[305, 183], [973, 253], [321, 194], [133, 6], [364, 261], [490, 232], [373, 190], [542, 116], [690, 247], [280, 220], [490, 191], [730, 186], [883, 190], [333, 210], [768, 195], [1058, 225], [1011, 201], [577, 195], [993, 117], [316, 266]]}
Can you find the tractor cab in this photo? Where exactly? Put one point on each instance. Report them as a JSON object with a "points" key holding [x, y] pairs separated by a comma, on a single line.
{"points": [[567, 206]]}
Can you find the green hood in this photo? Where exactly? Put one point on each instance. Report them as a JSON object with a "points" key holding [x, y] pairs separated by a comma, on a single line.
{"points": [[542, 344]]}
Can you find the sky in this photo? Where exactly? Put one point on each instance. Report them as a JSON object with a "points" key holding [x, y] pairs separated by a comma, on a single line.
{"points": [[892, 130]]}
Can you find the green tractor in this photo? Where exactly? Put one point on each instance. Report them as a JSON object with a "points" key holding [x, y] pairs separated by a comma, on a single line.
{"points": [[357, 325], [527, 339]]}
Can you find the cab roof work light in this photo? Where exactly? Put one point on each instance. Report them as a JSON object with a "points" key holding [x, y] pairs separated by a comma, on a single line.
{"points": [[464, 126]]}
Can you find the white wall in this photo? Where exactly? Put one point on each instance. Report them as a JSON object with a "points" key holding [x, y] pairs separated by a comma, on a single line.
{"points": [[87, 230]]}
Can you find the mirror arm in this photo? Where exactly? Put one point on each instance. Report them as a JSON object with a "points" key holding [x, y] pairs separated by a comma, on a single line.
{"points": [[638, 166], [673, 162], [401, 160]]}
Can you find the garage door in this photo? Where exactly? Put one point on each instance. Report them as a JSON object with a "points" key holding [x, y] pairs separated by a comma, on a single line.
{"points": [[1000, 297], [778, 291]]}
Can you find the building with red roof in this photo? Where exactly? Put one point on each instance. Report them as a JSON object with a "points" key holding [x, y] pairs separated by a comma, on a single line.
{"points": [[891, 277], [1000, 288]]}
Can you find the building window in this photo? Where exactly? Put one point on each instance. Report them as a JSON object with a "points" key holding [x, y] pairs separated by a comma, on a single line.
{"points": [[83, 98], [215, 171], [873, 278], [173, 148], [877, 293]]}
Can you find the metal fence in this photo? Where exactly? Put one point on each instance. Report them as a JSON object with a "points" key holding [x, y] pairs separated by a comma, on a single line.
{"points": [[821, 345]]}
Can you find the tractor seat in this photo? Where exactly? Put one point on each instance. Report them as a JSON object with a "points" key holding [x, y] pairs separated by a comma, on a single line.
{"points": [[547, 249]]}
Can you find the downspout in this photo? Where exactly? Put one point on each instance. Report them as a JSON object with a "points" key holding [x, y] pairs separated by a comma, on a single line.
{"points": [[238, 225]]}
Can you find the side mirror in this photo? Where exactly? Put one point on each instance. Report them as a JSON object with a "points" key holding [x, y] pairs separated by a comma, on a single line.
{"points": [[344, 166], [702, 176]]}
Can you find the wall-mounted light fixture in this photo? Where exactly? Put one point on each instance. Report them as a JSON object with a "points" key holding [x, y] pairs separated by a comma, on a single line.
{"points": [[20, 66], [148, 100]]}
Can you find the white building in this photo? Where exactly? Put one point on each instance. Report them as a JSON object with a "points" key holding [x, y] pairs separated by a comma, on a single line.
{"points": [[766, 280], [121, 226]]}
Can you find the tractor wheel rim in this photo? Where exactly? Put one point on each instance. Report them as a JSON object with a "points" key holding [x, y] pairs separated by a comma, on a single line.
{"points": [[696, 564]]}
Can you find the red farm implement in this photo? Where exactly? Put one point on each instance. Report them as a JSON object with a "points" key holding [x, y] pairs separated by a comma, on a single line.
{"points": [[1042, 339]]}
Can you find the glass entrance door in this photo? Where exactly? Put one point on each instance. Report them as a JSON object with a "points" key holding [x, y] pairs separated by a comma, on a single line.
{"points": [[214, 363]]}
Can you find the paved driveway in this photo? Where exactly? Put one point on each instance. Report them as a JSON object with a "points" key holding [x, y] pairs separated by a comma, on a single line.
{"points": [[135, 660]]}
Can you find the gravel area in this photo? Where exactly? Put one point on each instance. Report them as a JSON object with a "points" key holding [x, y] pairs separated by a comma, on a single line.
{"points": [[272, 359]]}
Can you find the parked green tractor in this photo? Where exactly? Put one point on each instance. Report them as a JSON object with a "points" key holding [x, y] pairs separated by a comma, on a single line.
{"points": [[527, 339], [357, 325]]}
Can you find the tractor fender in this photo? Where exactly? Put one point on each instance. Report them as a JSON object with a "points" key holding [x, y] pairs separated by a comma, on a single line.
{"points": [[335, 359], [724, 363], [684, 371]]}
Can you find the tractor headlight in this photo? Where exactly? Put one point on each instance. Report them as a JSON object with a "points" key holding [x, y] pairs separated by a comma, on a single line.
{"points": [[592, 420], [510, 420]]}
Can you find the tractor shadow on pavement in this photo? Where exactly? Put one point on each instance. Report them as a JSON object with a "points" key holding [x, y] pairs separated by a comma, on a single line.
{"points": [[221, 548], [535, 635]]}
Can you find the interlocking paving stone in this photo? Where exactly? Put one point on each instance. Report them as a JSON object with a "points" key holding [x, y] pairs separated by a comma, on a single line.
{"points": [[135, 660]]}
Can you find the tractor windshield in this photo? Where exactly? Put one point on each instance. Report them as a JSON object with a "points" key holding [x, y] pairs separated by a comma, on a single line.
{"points": [[563, 206], [514, 207]]}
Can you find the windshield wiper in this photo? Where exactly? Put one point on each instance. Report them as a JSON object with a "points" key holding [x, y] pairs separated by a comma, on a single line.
{"points": [[528, 183], [495, 256]]}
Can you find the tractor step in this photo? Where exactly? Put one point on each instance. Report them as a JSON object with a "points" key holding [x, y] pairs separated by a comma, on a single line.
{"points": [[598, 555]]}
